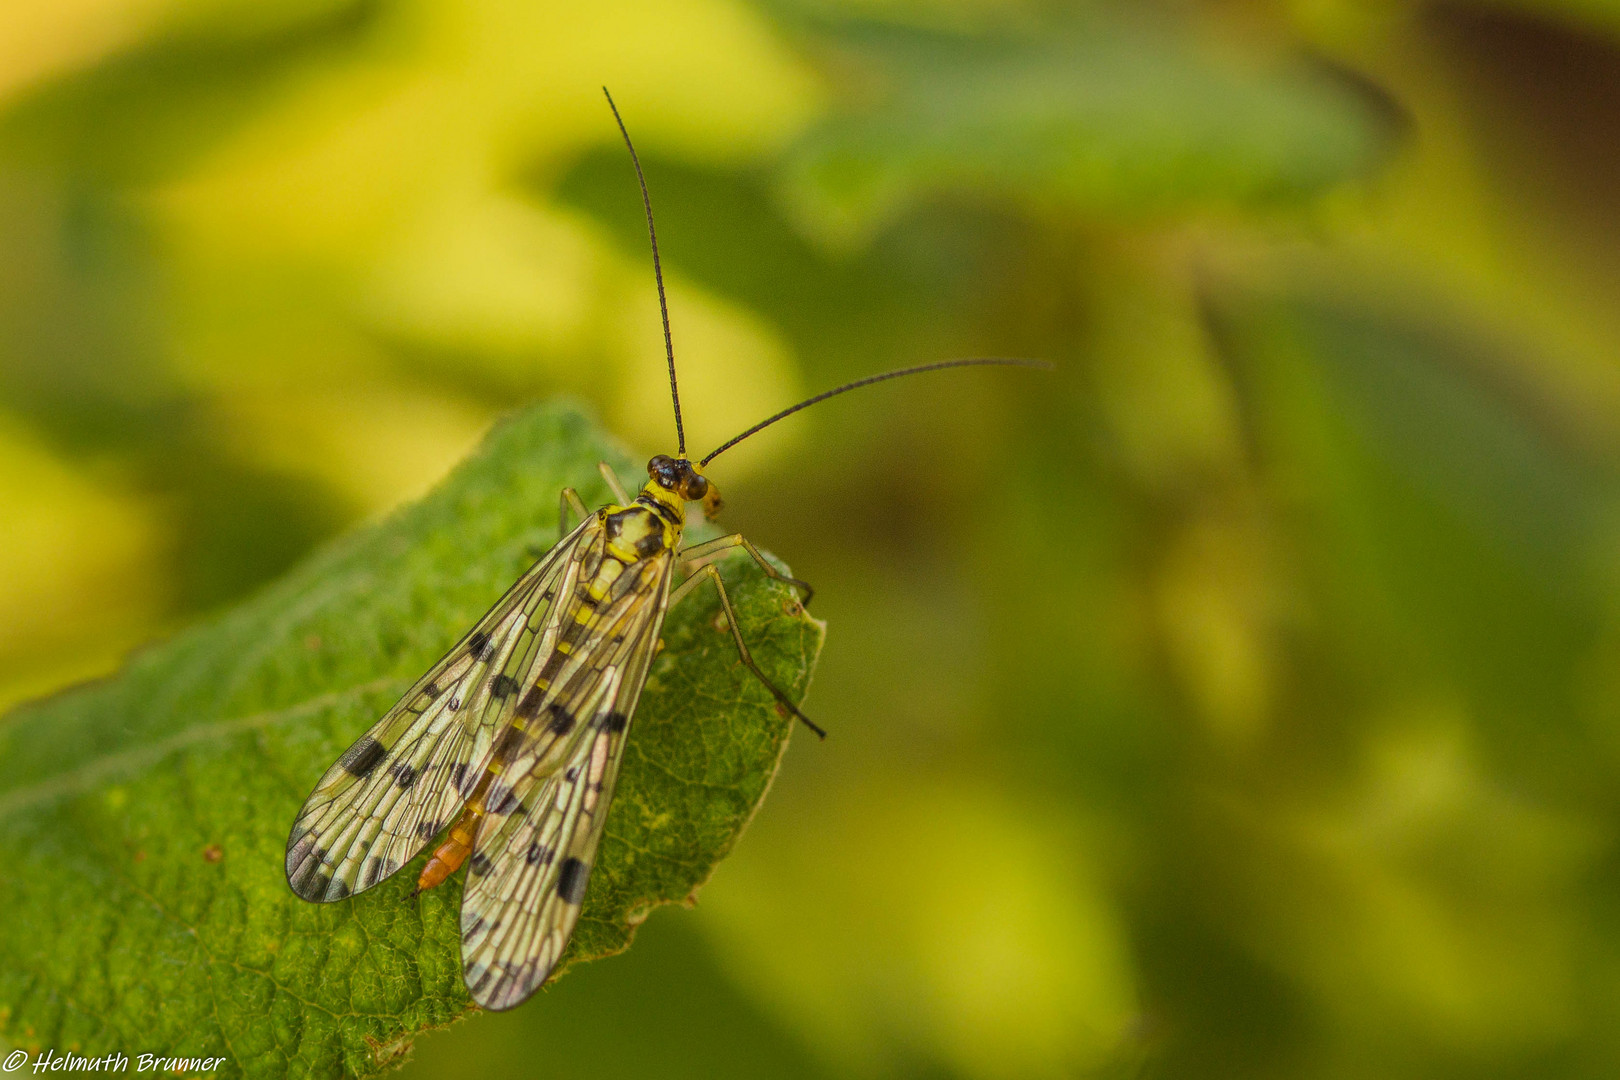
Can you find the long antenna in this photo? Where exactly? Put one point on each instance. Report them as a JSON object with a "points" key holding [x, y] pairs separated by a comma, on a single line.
{"points": [[658, 272], [938, 365]]}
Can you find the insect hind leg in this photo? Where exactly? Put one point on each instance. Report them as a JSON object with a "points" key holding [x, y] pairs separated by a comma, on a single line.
{"points": [[708, 572], [722, 546]]}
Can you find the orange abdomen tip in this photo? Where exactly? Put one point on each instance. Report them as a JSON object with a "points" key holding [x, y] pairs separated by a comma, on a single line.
{"points": [[448, 856]]}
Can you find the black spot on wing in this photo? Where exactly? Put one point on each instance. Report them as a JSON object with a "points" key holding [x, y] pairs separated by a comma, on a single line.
{"points": [[530, 705], [479, 864], [572, 879], [310, 883], [478, 645], [562, 721], [537, 852], [303, 869], [428, 829], [500, 799], [504, 686], [404, 776], [458, 777], [507, 746], [377, 868], [515, 984], [553, 664], [359, 759], [615, 722]]}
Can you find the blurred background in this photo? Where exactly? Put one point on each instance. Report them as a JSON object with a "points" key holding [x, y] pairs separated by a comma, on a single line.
{"points": [[1240, 699]]}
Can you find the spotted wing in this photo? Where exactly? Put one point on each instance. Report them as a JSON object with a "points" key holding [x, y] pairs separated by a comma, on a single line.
{"points": [[403, 780], [531, 864]]}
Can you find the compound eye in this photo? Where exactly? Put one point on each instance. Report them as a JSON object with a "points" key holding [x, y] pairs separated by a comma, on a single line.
{"points": [[696, 487], [662, 469]]}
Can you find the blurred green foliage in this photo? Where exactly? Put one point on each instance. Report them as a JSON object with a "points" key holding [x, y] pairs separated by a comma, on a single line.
{"points": [[1238, 700]]}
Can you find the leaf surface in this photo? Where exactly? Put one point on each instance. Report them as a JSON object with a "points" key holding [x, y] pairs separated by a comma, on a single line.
{"points": [[1100, 117], [143, 820]]}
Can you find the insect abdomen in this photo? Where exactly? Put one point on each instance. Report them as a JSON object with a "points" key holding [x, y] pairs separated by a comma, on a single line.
{"points": [[448, 856]]}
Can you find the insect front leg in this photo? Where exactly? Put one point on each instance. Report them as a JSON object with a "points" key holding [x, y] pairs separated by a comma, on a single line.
{"points": [[570, 500], [721, 547], [619, 494], [709, 572]]}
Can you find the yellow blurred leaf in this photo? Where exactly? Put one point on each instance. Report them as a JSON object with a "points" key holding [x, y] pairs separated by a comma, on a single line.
{"points": [[80, 582], [944, 917]]}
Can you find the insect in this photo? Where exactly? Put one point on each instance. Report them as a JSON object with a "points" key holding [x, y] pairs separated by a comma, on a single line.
{"points": [[510, 745]]}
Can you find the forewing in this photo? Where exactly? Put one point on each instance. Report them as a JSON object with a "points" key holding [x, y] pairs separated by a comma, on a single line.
{"points": [[531, 864], [402, 781]]}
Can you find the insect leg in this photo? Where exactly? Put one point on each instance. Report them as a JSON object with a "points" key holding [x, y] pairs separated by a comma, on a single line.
{"points": [[709, 571], [570, 500], [613, 483], [723, 546]]}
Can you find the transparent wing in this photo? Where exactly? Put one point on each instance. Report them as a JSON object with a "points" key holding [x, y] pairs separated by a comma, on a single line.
{"points": [[402, 781], [531, 864]]}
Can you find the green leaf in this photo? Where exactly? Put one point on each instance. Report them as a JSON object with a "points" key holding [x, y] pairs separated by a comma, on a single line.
{"points": [[143, 820], [1103, 118]]}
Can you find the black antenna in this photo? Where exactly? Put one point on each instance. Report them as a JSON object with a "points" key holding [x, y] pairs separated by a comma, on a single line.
{"points": [[980, 361], [658, 272]]}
